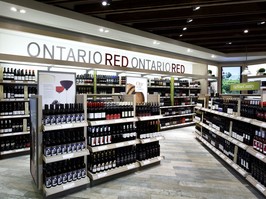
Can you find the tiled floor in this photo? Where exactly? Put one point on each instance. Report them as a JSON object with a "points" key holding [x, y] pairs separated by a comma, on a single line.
{"points": [[189, 171]]}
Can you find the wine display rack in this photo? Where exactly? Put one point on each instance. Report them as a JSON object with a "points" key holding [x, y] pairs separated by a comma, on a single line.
{"points": [[40, 164], [213, 143], [14, 93]]}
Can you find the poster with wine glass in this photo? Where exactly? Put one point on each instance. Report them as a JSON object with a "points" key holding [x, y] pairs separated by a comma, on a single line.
{"points": [[56, 87], [137, 86]]}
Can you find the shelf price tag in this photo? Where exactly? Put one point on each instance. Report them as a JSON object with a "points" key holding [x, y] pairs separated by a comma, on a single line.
{"points": [[243, 146], [242, 172], [260, 156], [19, 150], [264, 125], [260, 187], [159, 138], [132, 166], [101, 175], [146, 140], [68, 156], [246, 120], [68, 186], [119, 144], [146, 162], [235, 166], [101, 148], [131, 142]]}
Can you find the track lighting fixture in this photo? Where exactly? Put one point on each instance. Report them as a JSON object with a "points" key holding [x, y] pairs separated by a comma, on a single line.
{"points": [[106, 2]]}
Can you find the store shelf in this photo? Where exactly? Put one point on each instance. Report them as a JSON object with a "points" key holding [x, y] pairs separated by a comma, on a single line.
{"points": [[165, 97], [178, 106], [64, 187], [113, 146], [17, 82], [184, 115], [153, 117], [158, 86], [187, 96], [14, 134], [115, 121], [256, 154], [224, 157], [148, 140], [150, 161], [199, 133], [180, 87], [256, 184], [114, 171], [230, 139], [14, 116], [15, 100], [256, 77], [14, 151], [110, 85], [84, 84], [103, 95], [177, 125], [64, 126], [57, 158]]}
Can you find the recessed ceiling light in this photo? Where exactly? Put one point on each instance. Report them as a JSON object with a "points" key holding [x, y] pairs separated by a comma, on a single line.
{"points": [[13, 9], [213, 56], [185, 28], [101, 30], [22, 11], [261, 23], [229, 43], [106, 2], [106, 31], [196, 8], [189, 20], [156, 42], [189, 50], [246, 31], [181, 35]]}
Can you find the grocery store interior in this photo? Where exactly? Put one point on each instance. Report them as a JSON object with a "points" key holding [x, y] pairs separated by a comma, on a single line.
{"points": [[122, 99]]}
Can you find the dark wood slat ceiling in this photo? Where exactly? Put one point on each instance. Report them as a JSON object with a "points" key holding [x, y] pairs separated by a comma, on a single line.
{"points": [[214, 25]]}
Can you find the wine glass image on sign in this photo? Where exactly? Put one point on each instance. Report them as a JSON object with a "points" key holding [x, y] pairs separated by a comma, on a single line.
{"points": [[66, 84]]}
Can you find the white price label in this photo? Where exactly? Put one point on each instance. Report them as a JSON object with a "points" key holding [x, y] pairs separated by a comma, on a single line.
{"points": [[146, 162], [19, 150], [243, 146], [99, 122], [68, 186], [101, 148], [147, 140], [260, 187], [260, 156], [68, 156], [264, 125], [246, 120], [132, 166], [101, 175], [129, 119], [228, 161], [235, 166], [239, 118], [119, 144], [235, 141], [131, 142], [242, 172], [66, 126], [158, 138]]}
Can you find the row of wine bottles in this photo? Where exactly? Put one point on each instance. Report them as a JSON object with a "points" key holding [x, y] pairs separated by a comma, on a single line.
{"points": [[174, 121], [18, 74], [106, 160], [100, 79], [63, 172], [98, 110], [12, 108], [84, 90], [14, 142], [101, 135], [259, 141], [14, 92], [63, 113], [148, 151], [148, 129], [62, 142], [147, 109], [12, 125], [176, 111]]}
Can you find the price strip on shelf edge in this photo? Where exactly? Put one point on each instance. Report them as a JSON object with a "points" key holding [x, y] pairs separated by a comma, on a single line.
{"points": [[101, 148], [260, 187], [260, 156], [242, 172], [101, 175], [119, 144], [131, 166], [146, 162], [68, 156], [68, 186], [131, 142]]}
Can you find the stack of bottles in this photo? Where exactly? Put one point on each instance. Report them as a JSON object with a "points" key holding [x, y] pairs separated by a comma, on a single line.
{"points": [[12, 108], [110, 159], [85, 78], [147, 109], [63, 172], [63, 113], [102, 135], [98, 110], [14, 142], [148, 151], [63, 142], [148, 129], [18, 74]]}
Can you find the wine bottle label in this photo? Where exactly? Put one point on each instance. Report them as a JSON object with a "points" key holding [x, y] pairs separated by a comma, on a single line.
{"points": [[53, 150], [64, 178], [74, 147], [98, 169], [82, 117], [73, 118], [54, 181], [264, 148], [46, 120], [74, 175], [48, 182], [93, 141], [101, 140], [109, 139], [47, 151], [77, 117], [63, 148], [78, 146], [52, 119], [59, 179], [58, 119], [106, 139], [114, 163], [91, 116], [106, 166], [69, 176], [94, 169], [58, 149], [79, 174], [102, 167], [97, 141], [68, 118], [110, 165], [69, 148]]}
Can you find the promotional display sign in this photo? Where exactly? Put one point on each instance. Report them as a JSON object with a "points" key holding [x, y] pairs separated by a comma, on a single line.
{"points": [[56, 87], [45, 47], [230, 76], [249, 86], [137, 86]]}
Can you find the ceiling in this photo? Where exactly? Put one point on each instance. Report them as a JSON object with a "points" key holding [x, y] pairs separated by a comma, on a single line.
{"points": [[218, 25]]}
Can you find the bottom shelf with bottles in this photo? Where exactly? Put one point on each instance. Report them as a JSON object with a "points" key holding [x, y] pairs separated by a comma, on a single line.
{"points": [[241, 169]]}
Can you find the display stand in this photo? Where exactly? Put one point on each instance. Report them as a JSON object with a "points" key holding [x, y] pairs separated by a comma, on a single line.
{"points": [[39, 160]]}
